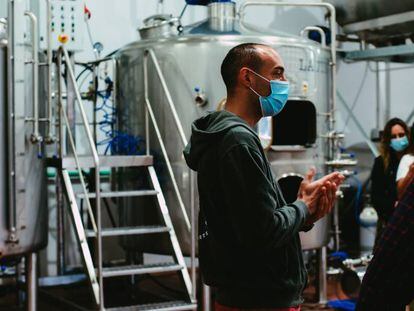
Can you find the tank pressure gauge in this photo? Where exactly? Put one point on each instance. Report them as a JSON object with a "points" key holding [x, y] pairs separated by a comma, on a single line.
{"points": [[200, 98]]}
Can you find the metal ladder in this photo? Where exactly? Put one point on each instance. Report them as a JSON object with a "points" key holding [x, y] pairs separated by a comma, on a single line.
{"points": [[97, 274]]}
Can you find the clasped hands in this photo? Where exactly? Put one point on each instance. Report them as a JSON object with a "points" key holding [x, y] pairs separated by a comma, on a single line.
{"points": [[320, 195]]}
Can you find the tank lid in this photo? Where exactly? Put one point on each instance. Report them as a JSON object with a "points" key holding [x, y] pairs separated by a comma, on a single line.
{"points": [[160, 26]]}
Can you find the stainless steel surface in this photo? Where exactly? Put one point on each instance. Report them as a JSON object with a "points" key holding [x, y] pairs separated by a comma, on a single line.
{"points": [[36, 137], [207, 298], [307, 63], [160, 26], [222, 16], [22, 183], [380, 22], [119, 194], [129, 231], [31, 282], [387, 53], [164, 306], [81, 236], [322, 280], [49, 136], [11, 211], [141, 269], [177, 123]]}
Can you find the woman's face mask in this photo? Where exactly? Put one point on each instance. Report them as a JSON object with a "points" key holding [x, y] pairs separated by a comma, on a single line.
{"points": [[399, 144], [274, 103]]}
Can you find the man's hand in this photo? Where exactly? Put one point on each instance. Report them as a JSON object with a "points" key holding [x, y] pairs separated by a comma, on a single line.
{"points": [[319, 195]]}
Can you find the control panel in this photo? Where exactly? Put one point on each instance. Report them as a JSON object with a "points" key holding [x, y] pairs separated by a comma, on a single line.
{"points": [[64, 20]]}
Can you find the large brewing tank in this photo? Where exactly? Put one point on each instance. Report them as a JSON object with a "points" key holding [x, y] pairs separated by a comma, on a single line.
{"points": [[380, 22], [190, 63], [31, 212]]}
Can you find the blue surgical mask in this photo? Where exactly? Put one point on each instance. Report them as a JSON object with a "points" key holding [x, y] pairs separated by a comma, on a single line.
{"points": [[399, 144], [273, 104]]}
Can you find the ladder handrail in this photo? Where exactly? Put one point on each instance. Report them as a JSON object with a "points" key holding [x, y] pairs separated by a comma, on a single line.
{"points": [[85, 123], [154, 121], [72, 141], [168, 95]]}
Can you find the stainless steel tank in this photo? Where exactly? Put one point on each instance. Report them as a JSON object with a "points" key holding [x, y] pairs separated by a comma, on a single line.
{"points": [[30, 209], [191, 63]]}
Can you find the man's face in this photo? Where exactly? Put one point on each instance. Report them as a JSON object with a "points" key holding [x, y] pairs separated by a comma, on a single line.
{"points": [[272, 69]]}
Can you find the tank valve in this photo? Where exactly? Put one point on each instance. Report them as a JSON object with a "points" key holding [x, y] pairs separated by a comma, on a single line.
{"points": [[200, 98]]}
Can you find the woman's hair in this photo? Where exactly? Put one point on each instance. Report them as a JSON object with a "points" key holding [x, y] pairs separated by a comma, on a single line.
{"points": [[385, 147]]}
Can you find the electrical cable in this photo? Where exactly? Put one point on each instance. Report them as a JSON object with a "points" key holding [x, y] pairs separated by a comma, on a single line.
{"points": [[116, 142]]}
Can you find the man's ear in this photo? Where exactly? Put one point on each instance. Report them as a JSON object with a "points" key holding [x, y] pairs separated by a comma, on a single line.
{"points": [[245, 77]]}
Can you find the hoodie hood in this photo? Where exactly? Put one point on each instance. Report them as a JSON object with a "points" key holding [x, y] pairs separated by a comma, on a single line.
{"points": [[207, 131]]}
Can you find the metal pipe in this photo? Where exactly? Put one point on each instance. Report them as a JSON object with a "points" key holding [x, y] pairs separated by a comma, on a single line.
{"points": [[164, 150], [147, 136], [193, 236], [322, 282], [12, 221], [168, 162], [49, 136], [31, 282], [168, 95], [206, 298], [378, 98], [370, 144], [315, 28], [387, 115], [35, 137], [60, 219]]}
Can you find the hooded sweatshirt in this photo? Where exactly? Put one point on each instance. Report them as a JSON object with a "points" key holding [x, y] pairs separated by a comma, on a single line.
{"points": [[249, 244]]}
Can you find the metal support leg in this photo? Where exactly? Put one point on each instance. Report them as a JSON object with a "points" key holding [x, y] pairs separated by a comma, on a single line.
{"points": [[60, 225], [336, 226], [322, 282], [31, 282], [206, 298]]}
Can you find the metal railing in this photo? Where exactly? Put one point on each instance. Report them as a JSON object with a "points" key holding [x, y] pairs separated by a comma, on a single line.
{"points": [[96, 225], [149, 53]]}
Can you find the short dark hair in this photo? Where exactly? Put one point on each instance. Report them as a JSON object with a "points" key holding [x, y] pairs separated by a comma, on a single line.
{"points": [[243, 55]]}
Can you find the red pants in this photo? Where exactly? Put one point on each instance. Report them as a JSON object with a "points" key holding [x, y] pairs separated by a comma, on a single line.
{"points": [[218, 307]]}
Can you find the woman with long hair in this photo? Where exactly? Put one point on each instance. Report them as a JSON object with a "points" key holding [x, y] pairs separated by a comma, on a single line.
{"points": [[394, 144]]}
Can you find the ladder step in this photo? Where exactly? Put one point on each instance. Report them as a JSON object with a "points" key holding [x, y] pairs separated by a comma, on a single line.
{"points": [[104, 161], [140, 269], [129, 231], [120, 194], [163, 306]]}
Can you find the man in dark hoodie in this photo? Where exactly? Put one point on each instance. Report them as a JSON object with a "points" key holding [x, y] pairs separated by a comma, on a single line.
{"points": [[249, 244]]}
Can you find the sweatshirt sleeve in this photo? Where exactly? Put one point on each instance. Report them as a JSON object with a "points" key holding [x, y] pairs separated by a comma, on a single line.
{"points": [[404, 166], [250, 202]]}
